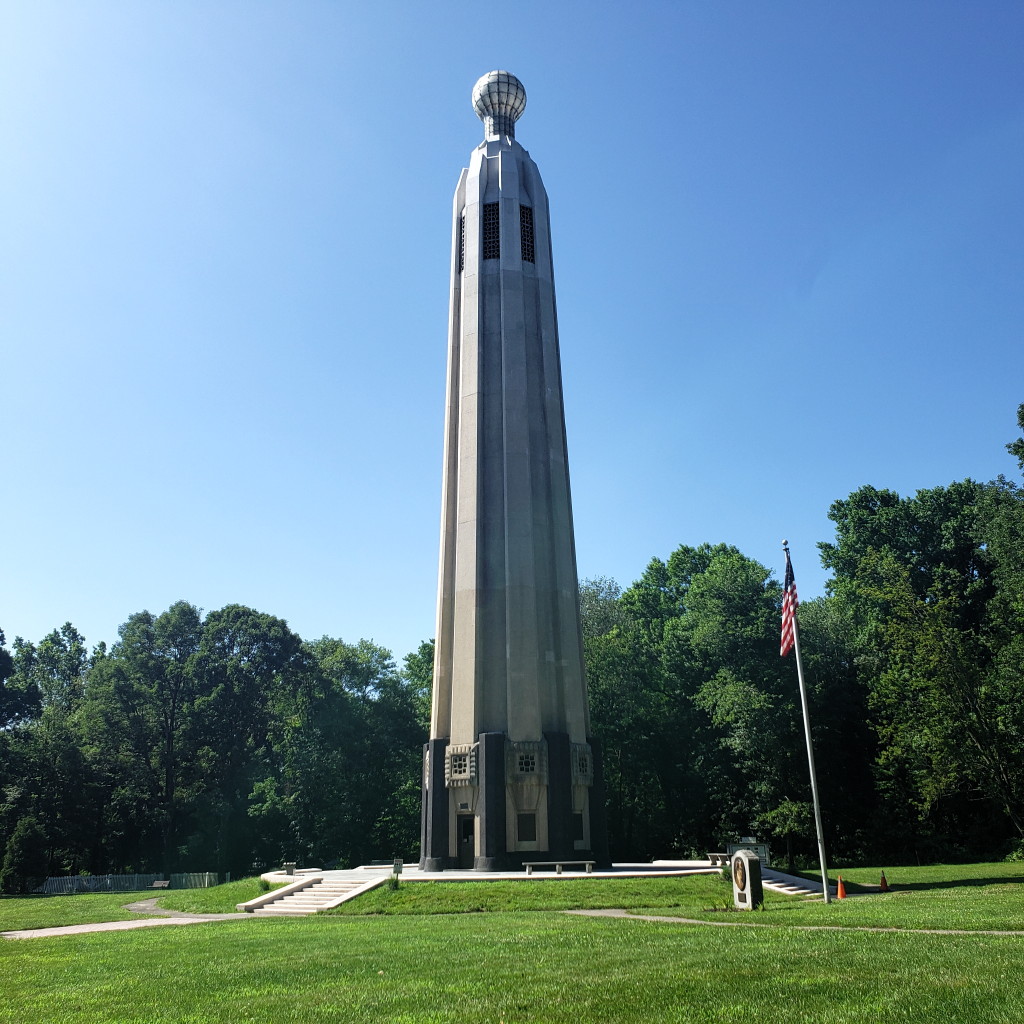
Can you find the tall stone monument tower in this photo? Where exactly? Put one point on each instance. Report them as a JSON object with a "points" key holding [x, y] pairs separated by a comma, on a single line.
{"points": [[511, 773]]}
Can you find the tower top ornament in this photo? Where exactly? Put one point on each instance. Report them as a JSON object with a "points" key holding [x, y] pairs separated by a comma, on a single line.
{"points": [[499, 100]]}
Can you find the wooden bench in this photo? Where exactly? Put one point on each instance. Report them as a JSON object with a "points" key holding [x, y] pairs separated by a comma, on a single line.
{"points": [[719, 860], [557, 865], [161, 884]]}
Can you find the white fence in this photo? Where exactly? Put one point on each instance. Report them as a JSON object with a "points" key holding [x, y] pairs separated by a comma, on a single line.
{"points": [[125, 883], [194, 880]]}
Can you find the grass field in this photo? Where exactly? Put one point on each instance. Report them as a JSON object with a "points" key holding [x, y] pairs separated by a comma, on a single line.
{"points": [[691, 893], [18, 912], [432, 966], [51, 911], [218, 899]]}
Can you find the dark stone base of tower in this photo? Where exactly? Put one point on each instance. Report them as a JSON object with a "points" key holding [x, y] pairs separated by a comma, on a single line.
{"points": [[474, 833]]}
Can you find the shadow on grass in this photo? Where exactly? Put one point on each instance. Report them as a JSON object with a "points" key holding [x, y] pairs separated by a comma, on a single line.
{"points": [[896, 885], [958, 883]]}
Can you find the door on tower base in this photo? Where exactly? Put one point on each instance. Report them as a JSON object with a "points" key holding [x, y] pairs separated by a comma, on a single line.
{"points": [[465, 835]]}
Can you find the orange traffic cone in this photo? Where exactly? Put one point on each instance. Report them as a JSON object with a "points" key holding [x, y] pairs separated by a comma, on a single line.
{"points": [[884, 886], [841, 890]]}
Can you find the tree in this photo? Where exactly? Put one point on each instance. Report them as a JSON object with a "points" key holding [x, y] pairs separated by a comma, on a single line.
{"points": [[600, 609], [928, 584], [691, 702], [20, 699], [55, 668], [1016, 448], [343, 780], [178, 718], [790, 819], [418, 674], [25, 864]]}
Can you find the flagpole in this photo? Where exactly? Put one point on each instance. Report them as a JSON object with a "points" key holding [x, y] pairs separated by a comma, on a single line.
{"points": [[810, 748]]}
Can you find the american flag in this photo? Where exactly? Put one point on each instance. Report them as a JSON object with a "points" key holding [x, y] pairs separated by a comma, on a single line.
{"points": [[789, 607]]}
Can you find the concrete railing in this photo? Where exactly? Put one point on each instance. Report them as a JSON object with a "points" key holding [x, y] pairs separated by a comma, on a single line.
{"points": [[373, 883]]}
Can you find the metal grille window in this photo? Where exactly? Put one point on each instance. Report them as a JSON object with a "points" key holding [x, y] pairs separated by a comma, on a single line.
{"points": [[461, 765], [462, 243], [526, 826], [526, 232], [492, 232]]}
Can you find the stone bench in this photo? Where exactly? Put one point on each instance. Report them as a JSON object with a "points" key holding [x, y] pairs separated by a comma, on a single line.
{"points": [[719, 860], [557, 865]]}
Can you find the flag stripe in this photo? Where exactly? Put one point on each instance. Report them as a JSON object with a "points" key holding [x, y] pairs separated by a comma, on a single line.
{"points": [[789, 607]]}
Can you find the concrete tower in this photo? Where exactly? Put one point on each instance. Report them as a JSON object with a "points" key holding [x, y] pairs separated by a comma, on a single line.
{"points": [[511, 772]]}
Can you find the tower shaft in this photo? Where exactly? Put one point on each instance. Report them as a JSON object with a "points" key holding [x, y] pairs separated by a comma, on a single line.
{"points": [[510, 766]]}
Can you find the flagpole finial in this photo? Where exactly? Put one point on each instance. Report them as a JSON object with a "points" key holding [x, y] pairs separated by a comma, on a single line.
{"points": [[785, 544]]}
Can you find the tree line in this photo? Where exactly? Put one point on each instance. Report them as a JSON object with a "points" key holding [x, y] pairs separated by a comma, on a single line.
{"points": [[915, 666], [217, 743], [227, 742]]}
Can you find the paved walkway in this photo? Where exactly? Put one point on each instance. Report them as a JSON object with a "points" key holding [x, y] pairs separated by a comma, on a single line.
{"points": [[412, 872], [799, 927], [141, 907]]}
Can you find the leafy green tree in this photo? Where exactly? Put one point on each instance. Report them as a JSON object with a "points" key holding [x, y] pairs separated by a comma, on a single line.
{"points": [[1016, 448], [26, 860], [695, 709], [20, 699], [418, 674], [343, 780], [245, 659], [43, 773], [628, 715], [50, 673], [928, 585], [790, 819], [600, 609], [177, 718], [845, 742], [728, 641]]}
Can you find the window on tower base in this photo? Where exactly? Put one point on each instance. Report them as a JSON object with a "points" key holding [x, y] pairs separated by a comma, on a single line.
{"points": [[492, 232]]}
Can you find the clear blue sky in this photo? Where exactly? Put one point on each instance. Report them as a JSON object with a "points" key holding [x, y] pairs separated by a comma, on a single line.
{"points": [[789, 253]]}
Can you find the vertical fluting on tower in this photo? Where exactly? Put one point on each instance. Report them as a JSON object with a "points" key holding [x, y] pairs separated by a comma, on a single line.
{"points": [[510, 771]]}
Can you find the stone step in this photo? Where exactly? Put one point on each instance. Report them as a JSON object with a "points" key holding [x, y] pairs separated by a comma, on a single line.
{"points": [[780, 882], [309, 900]]}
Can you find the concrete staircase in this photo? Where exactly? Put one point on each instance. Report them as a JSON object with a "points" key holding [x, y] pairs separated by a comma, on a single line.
{"points": [[778, 881], [308, 895]]}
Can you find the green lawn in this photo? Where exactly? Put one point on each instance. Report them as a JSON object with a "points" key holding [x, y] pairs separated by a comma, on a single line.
{"points": [[17, 912], [511, 967], [692, 892], [421, 955], [969, 896], [930, 875], [218, 899]]}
